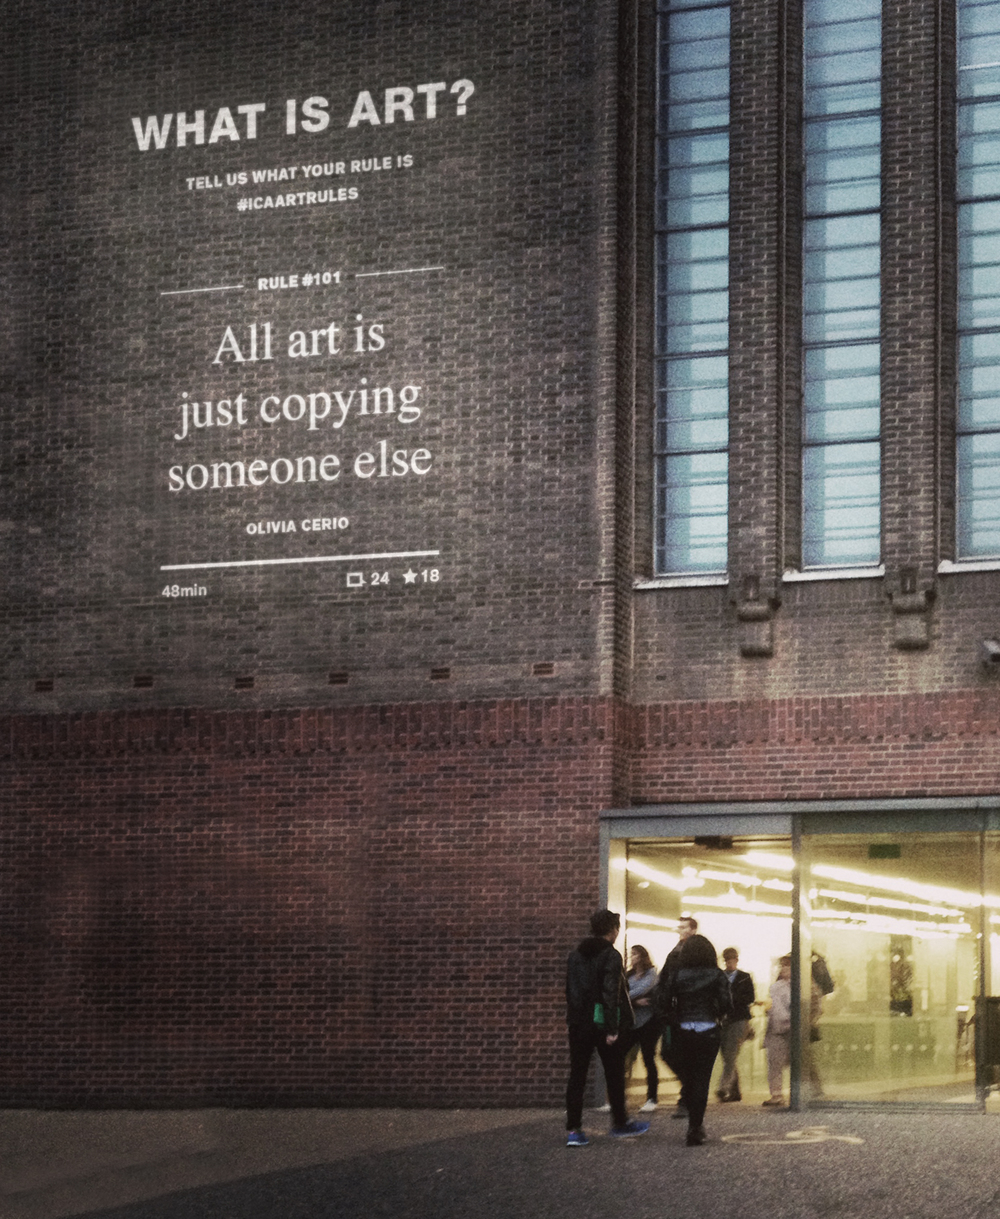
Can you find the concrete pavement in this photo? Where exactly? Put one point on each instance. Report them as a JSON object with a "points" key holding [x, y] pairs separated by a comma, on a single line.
{"points": [[474, 1164]]}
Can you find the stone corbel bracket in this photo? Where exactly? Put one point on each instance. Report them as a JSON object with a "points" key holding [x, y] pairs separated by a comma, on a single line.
{"points": [[755, 611], [911, 598]]}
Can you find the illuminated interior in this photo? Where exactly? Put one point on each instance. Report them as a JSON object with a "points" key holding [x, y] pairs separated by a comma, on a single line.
{"points": [[897, 919]]}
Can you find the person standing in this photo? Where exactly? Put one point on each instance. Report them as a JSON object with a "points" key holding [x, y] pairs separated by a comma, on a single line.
{"points": [[598, 1014], [777, 1036], [686, 927], [695, 998], [737, 1028], [642, 979]]}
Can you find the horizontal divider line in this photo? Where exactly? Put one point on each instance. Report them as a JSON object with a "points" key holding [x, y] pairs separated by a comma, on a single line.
{"points": [[326, 558]]}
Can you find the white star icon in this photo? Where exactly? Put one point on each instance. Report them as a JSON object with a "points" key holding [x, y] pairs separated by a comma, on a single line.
{"points": [[410, 577]]}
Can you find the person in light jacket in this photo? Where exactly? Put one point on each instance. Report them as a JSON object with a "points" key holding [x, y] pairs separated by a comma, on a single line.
{"points": [[642, 979]]}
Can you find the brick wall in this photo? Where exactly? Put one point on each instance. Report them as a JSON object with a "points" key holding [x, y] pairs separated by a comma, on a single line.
{"points": [[365, 907], [817, 748]]}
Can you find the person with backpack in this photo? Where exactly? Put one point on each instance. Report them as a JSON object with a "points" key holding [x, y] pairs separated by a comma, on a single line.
{"points": [[598, 1014]]}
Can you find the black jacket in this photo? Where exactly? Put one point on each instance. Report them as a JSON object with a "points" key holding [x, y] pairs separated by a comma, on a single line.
{"points": [[694, 995], [742, 993], [595, 974]]}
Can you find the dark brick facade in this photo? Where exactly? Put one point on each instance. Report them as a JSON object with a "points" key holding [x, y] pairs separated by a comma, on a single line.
{"points": [[299, 907], [299, 843]]}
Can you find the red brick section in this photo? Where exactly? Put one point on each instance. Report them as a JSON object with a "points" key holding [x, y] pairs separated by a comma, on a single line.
{"points": [[862, 747], [303, 907], [367, 906]]}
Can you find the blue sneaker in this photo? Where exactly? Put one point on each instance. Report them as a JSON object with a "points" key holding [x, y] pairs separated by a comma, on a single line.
{"points": [[576, 1138], [630, 1130]]}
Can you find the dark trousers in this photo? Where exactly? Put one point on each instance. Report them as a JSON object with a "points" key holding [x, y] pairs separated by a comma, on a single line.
{"points": [[582, 1044], [646, 1038], [694, 1054], [670, 1055]]}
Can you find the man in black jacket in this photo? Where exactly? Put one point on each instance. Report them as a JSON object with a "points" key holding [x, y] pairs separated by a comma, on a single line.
{"points": [[737, 1027], [597, 1013]]}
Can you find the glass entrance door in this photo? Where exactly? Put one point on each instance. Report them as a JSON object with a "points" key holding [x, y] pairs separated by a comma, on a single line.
{"points": [[891, 965], [739, 889]]}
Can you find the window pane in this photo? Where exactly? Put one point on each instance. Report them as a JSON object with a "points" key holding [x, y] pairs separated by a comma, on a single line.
{"points": [[691, 432], [693, 507], [979, 496], [842, 493], [841, 284]]}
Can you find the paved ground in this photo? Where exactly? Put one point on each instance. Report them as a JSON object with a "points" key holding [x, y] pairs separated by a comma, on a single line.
{"points": [[477, 1164]]}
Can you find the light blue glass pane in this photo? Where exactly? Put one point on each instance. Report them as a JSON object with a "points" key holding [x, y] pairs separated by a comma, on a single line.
{"points": [[842, 99], [838, 294], [976, 283], [825, 70], [979, 218], [981, 412], [979, 349], [684, 307], [843, 164], [709, 23], [982, 180], [691, 374], [841, 232], [821, 267], [677, 559], [693, 276], [830, 327], [841, 494], [818, 12], [696, 498], [697, 247], [979, 120], [689, 435], [842, 423], [841, 393], [709, 56], [850, 545], [860, 360], [979, 82], [680, 404], [708, 209], [830, 134], [979, 496], [979, 465], [699, 180], [838, 197], [977, 19], [980, 50], [978, 250], [828, 465], [842, 37], [697, 86], [979, 296], [707, 336], [691, 116], [696, 150], [705, 470], [693, 404]]}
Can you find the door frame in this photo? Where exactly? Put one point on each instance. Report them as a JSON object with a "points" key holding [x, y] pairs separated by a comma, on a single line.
{"points": [[792, 820]]}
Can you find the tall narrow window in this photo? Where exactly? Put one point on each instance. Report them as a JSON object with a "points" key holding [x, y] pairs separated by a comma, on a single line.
{"points": [[692, 288], [841, 456], [978, 442]]}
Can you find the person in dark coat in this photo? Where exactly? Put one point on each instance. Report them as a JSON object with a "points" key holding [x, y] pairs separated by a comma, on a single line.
{"points": [[686, 927], [737, 1027], [598, 1013], [695, 1000]]}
